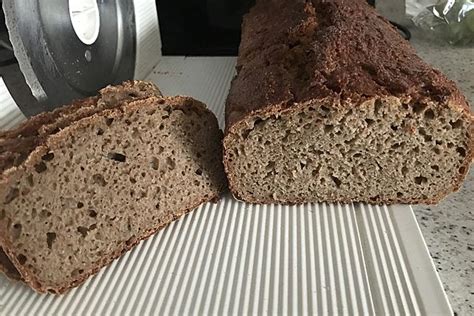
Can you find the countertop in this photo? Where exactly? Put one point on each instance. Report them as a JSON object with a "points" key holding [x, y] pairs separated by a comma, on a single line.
{"points": [[448, 227]]}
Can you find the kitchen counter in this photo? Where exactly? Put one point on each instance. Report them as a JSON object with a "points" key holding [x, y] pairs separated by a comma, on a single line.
{"points": [[448, 227]]}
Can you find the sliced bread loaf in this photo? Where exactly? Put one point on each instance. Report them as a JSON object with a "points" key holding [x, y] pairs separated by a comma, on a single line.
{"points": [[95, 188], [331, 104], [17, 144]]}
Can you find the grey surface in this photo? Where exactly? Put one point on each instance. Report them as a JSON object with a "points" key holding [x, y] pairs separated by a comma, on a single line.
{"points": [[448, 227]]}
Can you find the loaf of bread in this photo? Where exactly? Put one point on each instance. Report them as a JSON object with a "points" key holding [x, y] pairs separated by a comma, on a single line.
{"points": [[17, 144], [331, 104], [93, 179]]}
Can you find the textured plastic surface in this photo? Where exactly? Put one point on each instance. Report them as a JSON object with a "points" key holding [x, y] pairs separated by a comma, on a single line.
{"points": [[236, 258], [148, 50]]}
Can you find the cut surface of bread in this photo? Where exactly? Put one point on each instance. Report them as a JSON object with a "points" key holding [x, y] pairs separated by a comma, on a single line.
{"points": [[98, 186], [331, 104], [17, 144]]}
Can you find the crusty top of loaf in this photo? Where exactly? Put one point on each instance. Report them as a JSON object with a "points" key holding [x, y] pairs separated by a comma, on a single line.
{"points": [[296, 51]]}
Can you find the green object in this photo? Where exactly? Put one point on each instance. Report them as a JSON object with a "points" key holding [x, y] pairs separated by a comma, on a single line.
{"points": [[451, 20]]}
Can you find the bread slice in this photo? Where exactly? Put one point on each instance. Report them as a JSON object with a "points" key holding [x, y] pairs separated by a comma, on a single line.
{"points": [[94, 189], [331, 104], [17, 144]]}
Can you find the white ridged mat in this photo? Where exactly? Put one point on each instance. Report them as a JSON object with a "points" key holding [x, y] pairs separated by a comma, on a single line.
{"points": [[241, 259]]}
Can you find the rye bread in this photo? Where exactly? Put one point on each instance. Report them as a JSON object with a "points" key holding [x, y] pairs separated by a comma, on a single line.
{"points": [[18, 143], [95, 188], [330, 104]]}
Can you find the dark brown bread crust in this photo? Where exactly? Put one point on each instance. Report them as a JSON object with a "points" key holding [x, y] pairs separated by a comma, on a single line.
{"points": [[55, 141], [339, 52], [295, 51]]}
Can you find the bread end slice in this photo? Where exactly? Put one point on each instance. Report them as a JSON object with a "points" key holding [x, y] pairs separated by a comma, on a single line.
{"points": [[96, 188]]}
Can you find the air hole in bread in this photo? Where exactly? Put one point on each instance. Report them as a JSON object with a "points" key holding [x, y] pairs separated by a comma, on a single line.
{"points": [[109, 121], [16, 230], [436, 150], [324, 110], [117, 156], [80, 205], [328, 128], [171, 163], [336, 181], [418, 108], [258, 121], [404, 170], [48, 157], [83, 230], [92, 213], [100, 132], [420, 180], [462, 170], [397, 145], [399, 194], [50, 238], [429, 114], [369, 122], [99, 179], [394, 127], [245, 133], [40, 167], [435, 168], [45, 214], [76, 272], [374, 198], [128, 122], [29, 180], [461, 151], [155, 163], [199, 172], [456, 124], [21, 259], [11, 195]]}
